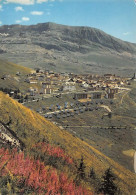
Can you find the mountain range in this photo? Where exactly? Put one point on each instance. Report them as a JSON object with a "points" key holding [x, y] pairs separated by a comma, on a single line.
{"points": [[67, 48]]}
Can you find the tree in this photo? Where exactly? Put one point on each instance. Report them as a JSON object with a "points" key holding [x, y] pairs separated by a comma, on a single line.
{"points": [[92, 174], [81, 169], [107, 186]]}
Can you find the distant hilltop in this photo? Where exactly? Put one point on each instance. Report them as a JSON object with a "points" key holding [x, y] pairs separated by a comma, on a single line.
{"points": [[67, 48]]}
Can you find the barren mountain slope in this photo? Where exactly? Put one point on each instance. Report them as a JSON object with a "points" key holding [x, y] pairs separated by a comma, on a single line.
{"points": [[58, 47]]}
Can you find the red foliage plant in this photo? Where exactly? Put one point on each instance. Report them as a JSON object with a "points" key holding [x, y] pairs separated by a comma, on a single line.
{"points": [[54, 151], [34, 175]]}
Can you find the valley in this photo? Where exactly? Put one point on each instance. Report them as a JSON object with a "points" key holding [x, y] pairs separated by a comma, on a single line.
{"points": [[69, 111]]}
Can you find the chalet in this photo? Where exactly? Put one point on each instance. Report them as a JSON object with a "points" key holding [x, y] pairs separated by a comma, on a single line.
{"points": [[32, 75], [93, 83], [55, 80], [18, 73], [41, 77], [4, 77], [56, 74], [38, 70], [79, 81], [85, 85], [33, 81], [33, 91], [46, 73], [70, 82], [41, 71], [38, 74], [121, 83], [67, 87], [109, 76], [51, 72]]}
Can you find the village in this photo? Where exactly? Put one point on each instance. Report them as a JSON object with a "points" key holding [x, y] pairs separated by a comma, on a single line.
{"points": [[49, 82], [83, 86], [63, 95], [83, 90]]}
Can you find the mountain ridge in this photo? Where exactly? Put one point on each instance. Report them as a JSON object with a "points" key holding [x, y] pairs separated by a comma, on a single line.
{"points": [[68, 48], [54, 26]]}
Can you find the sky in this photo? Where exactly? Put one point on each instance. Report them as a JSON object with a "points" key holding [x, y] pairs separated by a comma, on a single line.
{"points": [[115, 17]]}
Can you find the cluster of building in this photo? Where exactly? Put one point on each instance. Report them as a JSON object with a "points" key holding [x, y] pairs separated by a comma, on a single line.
{"points": [[83, 86]]}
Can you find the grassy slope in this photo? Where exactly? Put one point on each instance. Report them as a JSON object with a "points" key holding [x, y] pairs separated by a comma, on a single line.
{"points": [[30, 127], [11, 69]]}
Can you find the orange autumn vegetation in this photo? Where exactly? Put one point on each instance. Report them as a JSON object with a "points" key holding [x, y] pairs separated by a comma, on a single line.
{"points": [[27, 175]]}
